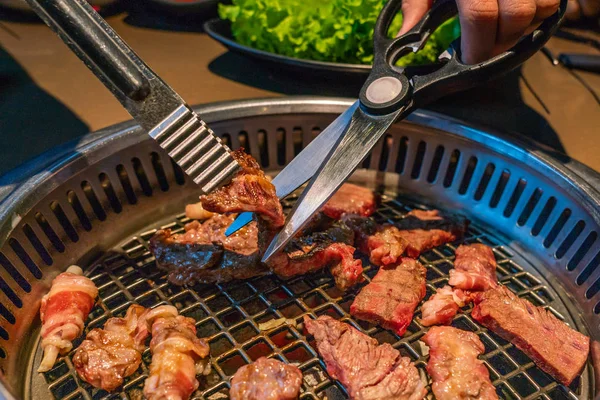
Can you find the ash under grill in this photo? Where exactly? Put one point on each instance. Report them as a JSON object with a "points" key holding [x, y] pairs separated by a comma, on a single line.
{"points": [[229, 315]]}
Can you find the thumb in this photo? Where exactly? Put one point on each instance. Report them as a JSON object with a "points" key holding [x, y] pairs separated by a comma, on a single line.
{"points": [[412, 12]]}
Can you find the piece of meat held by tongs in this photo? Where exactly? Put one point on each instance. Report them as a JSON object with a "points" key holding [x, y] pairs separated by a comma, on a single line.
{"points": [[63, 312], [177, 357]]}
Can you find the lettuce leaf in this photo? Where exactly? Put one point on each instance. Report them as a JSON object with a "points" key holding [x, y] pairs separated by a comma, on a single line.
{"points": [[322, 30]]}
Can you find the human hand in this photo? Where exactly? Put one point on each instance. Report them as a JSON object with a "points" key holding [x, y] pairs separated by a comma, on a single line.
{"points": [[576, 9], [488, 27]]}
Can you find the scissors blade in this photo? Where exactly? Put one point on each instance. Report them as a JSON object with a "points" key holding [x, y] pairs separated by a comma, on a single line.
{"points": [[361, 135], [304, 165]]}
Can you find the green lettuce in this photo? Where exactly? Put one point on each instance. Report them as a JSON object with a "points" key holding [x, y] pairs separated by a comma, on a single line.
{"points": [[323, 30]]}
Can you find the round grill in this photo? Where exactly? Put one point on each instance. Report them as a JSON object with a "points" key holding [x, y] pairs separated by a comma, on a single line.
{"points": [[99, 206]]}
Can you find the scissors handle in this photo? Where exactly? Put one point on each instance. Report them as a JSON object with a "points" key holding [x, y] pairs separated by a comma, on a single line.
{"points": [[388, 88]]}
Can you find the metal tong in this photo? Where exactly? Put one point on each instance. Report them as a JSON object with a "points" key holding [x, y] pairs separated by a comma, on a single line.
{"points": [[389, 95], [154, 105]]}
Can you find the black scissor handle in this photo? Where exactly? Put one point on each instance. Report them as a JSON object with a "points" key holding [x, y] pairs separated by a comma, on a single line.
{"points": [[454, 75]]}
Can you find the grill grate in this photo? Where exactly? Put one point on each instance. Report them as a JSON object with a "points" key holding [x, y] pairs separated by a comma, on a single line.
{"points": [[229, 316]]}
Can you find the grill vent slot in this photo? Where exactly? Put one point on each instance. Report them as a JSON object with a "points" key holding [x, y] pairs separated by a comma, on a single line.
{"points": [[244, 142], [161, 176], [64, 221], [435, 164], [111, 195], [592, 290], [452, 166], [466, 181], [297, 139], [500, 186], [263, 147], [12, 296], [141, 176], [529, 207], [2, 353], [514, 198], [226, 139], [281, 142], [179, 174], [3, 333], [570, 239], [7, 314], [402, 151], [93, 200], [558, 225], [37, 245], [485, 181], [544, 215], [16, 275], [126, 184], [24, 257], [386, 147], [581, 252], [588, 270], [78, 208], [52, 236], [421, 150]]}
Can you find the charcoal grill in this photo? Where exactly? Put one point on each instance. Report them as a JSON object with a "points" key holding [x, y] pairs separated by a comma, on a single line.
{"points": [[97, 202]]}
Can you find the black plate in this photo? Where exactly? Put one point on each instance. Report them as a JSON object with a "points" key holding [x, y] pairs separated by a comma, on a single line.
{"points": [[220, 30], [186, 9]]}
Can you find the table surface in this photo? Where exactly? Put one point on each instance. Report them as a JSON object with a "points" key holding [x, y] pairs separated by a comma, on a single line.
{"points": [[546, 102]]}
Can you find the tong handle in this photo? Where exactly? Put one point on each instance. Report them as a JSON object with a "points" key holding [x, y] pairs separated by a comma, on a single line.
{"points": [[453, 76], [96, 43]]}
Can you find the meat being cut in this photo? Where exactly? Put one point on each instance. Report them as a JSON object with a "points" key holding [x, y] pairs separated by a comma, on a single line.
{"points": [[392, 295], [367, 370], [63, 312], [110, 354], [453, 365], [417, 232], [351, 199], [204, 254], [177, 357], [474, 268], [331, 248], [556, 348], [250, 190], [266, 379], [442, 306]]}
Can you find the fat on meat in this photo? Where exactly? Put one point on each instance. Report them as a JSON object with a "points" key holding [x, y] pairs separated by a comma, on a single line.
{"points": [[266, 379], [63, 313], [368, 370], [442, 306], [474, 268]]}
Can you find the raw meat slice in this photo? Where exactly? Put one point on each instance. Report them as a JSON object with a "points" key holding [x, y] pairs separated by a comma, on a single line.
{"points": [[351, 199], [474, 268], [442, 306]]}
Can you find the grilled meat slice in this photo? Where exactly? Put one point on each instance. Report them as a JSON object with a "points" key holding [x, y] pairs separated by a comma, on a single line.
{"points": [[453, 365], [391, 297], [417, 232], [110, 354], [351, 199], [367, 370], [474, 268], [331, 248], [204, 254], [556, 348], [441, 308], [63, 312], [266, 379], [250, 190], [177, 357]]}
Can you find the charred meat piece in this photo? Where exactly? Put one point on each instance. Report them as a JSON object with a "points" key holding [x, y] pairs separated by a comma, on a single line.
{"points": [[441, 308], [474, 268], [250, 190], [391, 297], [331, 248], [110, 354], [63, 312], [351, 199], [368, 370], [266, 379], [204, 254], [417, 232], [556, 348], [177, 357], [453, 365]]}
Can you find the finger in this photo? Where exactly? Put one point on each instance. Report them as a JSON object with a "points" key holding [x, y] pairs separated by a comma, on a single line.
{"points": [[514, 17], [545, 9], [590, 8], [478, 24], [573, 10], [412, 12]]}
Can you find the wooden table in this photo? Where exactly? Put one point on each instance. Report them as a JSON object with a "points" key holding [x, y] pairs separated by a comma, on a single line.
{"points": [[544, 101]]}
